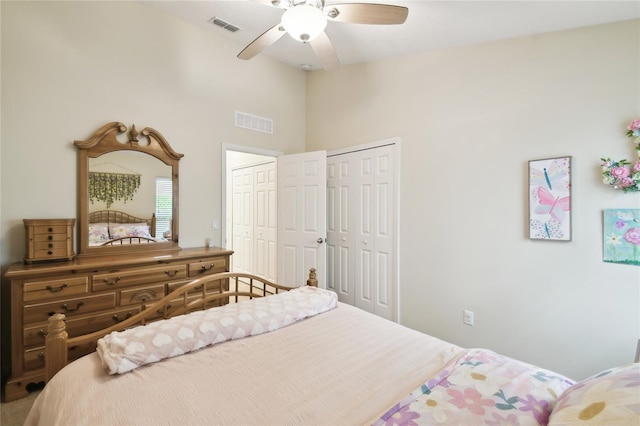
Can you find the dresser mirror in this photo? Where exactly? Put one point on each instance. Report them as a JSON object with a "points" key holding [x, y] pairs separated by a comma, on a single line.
{"points": [[128, 192]]}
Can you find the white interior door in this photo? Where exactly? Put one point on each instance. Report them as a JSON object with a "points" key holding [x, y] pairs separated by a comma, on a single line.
{"points": [[302, 214]]}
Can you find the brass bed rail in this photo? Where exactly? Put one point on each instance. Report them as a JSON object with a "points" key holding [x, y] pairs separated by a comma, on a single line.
{"points": [[196, 295]]}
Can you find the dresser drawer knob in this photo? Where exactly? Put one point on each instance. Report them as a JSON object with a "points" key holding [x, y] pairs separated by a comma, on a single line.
{"points": [[206, 268], [172, 273], [107, 282], [50, 237], [57, 289], [42, 333], [50, 229], [49, 252], [68, 309], [41, 355]]}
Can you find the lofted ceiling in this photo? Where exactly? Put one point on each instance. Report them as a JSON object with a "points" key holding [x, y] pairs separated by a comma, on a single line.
{"points": [[431, 25]]}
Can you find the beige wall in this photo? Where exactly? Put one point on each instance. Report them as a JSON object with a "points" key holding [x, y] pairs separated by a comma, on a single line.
{"points": [[469, 120], [70, 67]]}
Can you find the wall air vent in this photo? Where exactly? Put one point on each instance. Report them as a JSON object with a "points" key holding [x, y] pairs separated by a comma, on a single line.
{"points": [[254, 122], [223, 24]]}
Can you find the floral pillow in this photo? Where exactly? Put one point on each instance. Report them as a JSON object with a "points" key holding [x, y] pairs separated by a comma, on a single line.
{"points": [[98, 232], [611, 397], [123, 230], [481, 388]]}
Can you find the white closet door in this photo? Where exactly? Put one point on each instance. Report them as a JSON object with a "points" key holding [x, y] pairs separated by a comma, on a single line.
{"points": [[340, 227], [384, 232], [266, 221], [361, 242]]}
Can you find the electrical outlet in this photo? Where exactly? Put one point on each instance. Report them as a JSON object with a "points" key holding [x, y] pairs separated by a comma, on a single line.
{"points": [[467, 317], [215, 224]]}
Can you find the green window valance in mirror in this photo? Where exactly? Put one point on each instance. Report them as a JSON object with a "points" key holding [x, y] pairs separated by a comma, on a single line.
{"points": [[110, 187]]}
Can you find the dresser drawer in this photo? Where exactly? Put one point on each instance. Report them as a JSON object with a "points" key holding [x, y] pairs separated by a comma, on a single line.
{"points": [[137, 276], [212, 286], [42, 239], [141, 296], [42, 289], [34, 358], [69, 307], [51, 253], [43, 230], [35, 335], [207, 267], [175, 304]]}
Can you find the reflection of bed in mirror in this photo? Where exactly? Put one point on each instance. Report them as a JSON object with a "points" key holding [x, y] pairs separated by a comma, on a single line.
{"points": [[112, 227]]}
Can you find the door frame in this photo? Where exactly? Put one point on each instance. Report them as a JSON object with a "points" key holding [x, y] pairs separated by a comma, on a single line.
{"points": [[237, 148]]}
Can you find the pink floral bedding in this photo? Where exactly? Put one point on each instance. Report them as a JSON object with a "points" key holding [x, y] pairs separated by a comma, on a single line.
{"points": [[481, 388]]}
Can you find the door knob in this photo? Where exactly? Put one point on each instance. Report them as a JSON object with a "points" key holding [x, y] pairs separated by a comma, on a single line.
{"points": [[320, 240]]}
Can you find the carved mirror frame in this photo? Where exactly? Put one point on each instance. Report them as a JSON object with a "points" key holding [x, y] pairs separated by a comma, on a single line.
{"points": [[103, 141]]}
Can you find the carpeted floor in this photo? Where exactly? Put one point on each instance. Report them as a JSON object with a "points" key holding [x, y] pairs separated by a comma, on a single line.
{"points": [[15, 412]]}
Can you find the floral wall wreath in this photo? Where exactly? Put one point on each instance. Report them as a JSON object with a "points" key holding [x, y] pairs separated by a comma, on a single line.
{"points": [[109, 187], [622, 174]]}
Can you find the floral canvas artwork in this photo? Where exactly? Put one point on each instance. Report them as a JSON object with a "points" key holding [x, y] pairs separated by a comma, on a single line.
{"points": [[550, 199], [622, 236]]}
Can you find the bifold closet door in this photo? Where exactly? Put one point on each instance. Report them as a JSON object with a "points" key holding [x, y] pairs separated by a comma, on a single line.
{"points": [[340, 226], [361, 228], [255, 220]]}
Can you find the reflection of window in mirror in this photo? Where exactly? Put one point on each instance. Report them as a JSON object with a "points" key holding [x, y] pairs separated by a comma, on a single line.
{"points": [[164, 207]]}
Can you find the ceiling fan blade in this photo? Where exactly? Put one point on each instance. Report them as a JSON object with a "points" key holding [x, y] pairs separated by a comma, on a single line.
{"points": [[262, 42], [367, 13], [324, 50]]}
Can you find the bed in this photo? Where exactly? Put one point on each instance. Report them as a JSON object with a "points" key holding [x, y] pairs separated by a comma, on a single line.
{"points": [[112, 227], [298, 356]]}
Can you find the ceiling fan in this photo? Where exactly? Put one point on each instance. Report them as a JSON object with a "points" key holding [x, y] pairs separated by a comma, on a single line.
{"points": [[305, 21]]}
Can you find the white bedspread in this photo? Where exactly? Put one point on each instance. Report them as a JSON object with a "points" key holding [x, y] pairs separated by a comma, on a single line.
{"points": [[344, 366]]}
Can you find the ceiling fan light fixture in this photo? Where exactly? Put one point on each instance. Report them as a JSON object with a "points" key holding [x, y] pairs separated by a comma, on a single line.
{"points": [[304, 22]]}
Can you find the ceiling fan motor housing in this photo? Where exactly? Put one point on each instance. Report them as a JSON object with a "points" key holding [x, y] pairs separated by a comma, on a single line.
{"points": [[304, 22]]}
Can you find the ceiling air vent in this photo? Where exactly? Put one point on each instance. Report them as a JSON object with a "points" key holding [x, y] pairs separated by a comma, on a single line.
{"points": [[254, 122], [223, 24]]}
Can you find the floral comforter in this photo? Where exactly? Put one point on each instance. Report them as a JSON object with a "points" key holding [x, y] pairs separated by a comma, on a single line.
{"points": [[481, 388]]}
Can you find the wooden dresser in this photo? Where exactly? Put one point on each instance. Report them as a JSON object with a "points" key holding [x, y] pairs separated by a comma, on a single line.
{"points": [[93, 293]]}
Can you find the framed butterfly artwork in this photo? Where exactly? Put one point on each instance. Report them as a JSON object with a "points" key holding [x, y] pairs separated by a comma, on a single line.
{"points": [[550, 199]]}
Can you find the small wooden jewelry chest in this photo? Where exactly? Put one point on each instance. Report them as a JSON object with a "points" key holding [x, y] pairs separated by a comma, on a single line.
{"points": [[49, 239]]}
